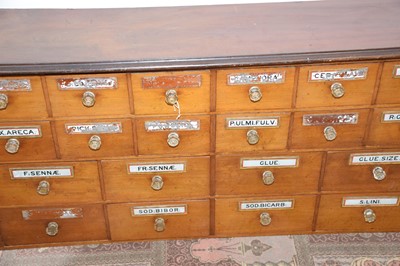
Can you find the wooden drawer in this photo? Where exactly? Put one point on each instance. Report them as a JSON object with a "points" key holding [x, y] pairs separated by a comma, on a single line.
{"points": [[287, 215], [333, 215], [49, 183], [274, 173], [193, 132], [308, 129], [192, 89], [390, 83], [74, 137], [22, 226], [35, 141], [385, 127], [180, 219], [314, 89], [22, 97], [274, 84], [110, 94], [233, 132], [362, 171], [157, 178]]}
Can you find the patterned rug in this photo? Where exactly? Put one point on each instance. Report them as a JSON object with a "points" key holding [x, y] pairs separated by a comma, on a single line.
{"points": [[378, 249]]}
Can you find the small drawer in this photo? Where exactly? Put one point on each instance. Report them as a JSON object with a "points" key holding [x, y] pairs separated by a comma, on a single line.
{"points": [[359, 213], [336, 85], [95, 138], [157, 178], [88, 95], [258, 132], [263, 216], [385, 127], [30, 225], [275, 173], [165, 135], [389, 91], [326, 129], [159, 220], [49, 183], [22, 97], [362, 171], [22, 141], [158, 92], [250, 89]]}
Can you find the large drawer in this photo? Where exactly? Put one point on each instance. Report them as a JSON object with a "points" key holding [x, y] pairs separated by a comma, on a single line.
{"points": [[385, 127], [390, 83]]}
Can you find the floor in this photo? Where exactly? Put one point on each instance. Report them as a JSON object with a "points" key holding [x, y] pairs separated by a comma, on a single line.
{"points": [[378, 249]]}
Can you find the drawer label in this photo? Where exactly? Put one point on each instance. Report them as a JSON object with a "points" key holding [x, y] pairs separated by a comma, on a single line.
{"points": [[171, 82], [239, 123], [87, 83], [45, 214], [21, 132], [370, 201], [330, 119], [94, 128], [172, 125], [157, 210], [396, 72], [255, 78], [265, 205], [144, 168], [342, 74], [49, 172], [265, 162], [374, 158], [15, 85], [391, 117]]}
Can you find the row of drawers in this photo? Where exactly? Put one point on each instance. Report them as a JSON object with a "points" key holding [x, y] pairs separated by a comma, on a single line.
{"points": [[236, 90], [189, 177]]}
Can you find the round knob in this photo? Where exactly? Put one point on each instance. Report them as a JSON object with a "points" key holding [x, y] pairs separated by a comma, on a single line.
{"points": [[171, 97], [88, 99], [159, 225], [43, 188], [173, 139], [95, 142], [252, 137], [369, 216], [52, 229], [379, 173], [337, 90], [12, 146], [3, 101], [157, 182], [330, 133], [268, 178], [265, 219], [255, 94]]}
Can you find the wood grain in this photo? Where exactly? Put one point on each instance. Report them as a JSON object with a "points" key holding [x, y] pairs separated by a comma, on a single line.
{"points": [[389, 87], [384, 134]]}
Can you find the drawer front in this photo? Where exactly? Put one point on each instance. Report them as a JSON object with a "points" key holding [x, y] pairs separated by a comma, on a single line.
{"points": [[239, 132], [260, 216], [95, 138], [49, 183], [250, 89], [141, 221], [157, 178], [190, 88], [22, 141], [316, 87], [30, 225], [87, 95], [158, 135], [356, 216], [390, 83], [362, 171], [278, 173], [385, 127], [326, 129], [22, 97]]}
